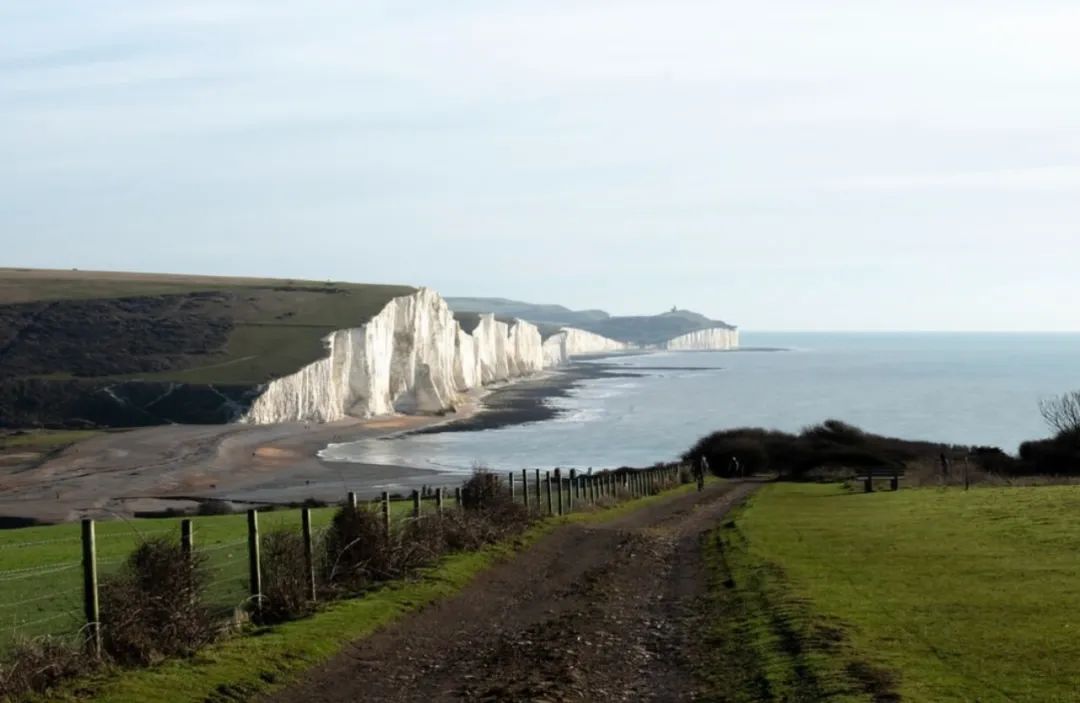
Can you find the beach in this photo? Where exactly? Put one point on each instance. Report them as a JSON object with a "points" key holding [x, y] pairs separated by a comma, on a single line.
{"points": [[150, 470]]}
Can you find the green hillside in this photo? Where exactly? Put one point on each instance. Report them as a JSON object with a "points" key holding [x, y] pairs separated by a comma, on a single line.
{"points": [[194, 329], [634, 329], [98, 349]]}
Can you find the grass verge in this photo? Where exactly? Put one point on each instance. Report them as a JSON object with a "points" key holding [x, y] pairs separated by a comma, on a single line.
{"points": [[269, 657], [919, 595]]}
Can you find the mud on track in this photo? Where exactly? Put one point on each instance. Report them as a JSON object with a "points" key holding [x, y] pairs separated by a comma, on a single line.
{"points": [[589, 613]]}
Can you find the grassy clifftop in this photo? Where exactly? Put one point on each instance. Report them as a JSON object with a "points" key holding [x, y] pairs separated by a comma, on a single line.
{"points": [[59, 325]]}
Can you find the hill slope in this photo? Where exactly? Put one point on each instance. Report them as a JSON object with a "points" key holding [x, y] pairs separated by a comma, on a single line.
{"points": [[67, 337], [640, 329]]}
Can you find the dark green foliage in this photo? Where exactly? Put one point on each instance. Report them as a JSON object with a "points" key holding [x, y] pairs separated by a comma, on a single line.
{"points": [[830, 445], [1059, 455]]}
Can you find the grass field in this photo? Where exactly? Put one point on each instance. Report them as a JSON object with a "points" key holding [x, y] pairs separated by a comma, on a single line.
{"points": [[929, 594], [278, 324], [41, 575]]}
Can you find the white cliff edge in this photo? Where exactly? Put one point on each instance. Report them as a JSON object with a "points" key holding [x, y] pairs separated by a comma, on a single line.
{"points": [[715, 339], [414, 357]]}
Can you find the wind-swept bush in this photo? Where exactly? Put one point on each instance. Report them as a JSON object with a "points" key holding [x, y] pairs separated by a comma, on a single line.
{"points": [[38, 665], [153, 608], [285, 578], [830, 445], [358, 550]]}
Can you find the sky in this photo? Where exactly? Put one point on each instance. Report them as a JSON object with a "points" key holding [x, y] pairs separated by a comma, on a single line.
{"points": [[781, 164]]}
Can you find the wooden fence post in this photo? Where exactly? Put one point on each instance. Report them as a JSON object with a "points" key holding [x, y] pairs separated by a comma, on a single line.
{"points": [[416, 504], [558, 485], [187, 538], [309, 554], [457, 497], [90, 589], [539, 502], [571, 485], [351, 500], [439, 500], [510, 476], [386, 514], [547, 482], [525, 488], [254, 563]]}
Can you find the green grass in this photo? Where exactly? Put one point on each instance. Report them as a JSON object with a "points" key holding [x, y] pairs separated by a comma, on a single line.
{"points": [[41, 577], [955, 596], [269, 657], [278, 323], [40, 574]]}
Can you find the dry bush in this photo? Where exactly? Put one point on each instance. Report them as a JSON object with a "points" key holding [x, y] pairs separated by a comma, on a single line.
{"points": [[152, 608], [38, 665], [358, 550], [421, 541], [483, 491], [285, 579]]}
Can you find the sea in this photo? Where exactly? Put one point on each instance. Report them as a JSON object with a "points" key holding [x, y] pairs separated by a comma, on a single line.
{"points": [[960, 388]]}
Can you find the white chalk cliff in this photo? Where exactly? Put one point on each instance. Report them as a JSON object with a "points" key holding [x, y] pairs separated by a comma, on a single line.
{"points": [[414, 357], [570, 341], [717, 338]]}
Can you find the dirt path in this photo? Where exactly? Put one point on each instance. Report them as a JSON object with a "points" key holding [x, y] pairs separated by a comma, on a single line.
{"points": [[589, 613]]}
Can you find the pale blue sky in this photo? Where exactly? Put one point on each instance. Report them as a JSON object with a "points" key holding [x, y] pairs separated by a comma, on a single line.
{"points": [[780, 164]]}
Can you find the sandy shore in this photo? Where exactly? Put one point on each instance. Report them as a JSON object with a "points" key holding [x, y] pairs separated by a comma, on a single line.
{"points": [[155, 468], [178, 466]]}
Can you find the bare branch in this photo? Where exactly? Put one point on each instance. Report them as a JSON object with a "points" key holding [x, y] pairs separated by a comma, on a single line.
{"points": [[1062, 413]]}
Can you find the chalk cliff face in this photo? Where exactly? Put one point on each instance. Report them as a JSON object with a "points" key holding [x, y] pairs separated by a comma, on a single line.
{"points": [[412, 357], [704, 340], [574, 342]]}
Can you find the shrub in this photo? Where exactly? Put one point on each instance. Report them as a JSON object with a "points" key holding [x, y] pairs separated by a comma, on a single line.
{"points": [[285, 579], [152, 608], [38, 665], [357, 549], [1060, 455], [483, 491], [829, 446]]}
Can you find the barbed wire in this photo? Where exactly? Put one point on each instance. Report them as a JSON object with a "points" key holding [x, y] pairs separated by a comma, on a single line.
{"points": [[219, 547], [136, 534], [38, 543], [237, 581], [38, 599], [26, 625], [20, 574]]}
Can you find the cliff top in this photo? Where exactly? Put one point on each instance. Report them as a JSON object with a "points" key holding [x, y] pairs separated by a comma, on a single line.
{"points": [[194, 329]]}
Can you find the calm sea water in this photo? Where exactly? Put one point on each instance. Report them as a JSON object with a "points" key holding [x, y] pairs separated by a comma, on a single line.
{"points": [[961, 388]]}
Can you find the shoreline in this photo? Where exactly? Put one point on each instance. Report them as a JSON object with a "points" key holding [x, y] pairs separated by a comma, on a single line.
{"points": [[153, 469]]}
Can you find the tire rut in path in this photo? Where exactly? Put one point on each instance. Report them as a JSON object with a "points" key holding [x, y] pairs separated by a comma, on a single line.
{"points": [[598, 612]]}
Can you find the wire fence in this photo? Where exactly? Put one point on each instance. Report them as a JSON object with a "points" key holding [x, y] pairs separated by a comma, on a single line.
{"points": [[49, 585]]}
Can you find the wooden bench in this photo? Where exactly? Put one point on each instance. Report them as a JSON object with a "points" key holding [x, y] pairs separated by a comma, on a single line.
{"points": [[880, 473]]}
